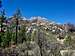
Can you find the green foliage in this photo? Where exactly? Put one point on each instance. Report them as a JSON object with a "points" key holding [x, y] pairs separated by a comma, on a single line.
{"points": [[68, 41], [22, 34], [33, 35]]}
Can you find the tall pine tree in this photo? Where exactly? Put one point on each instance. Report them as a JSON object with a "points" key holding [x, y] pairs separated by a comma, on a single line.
{"points": [[17, 16], [2, 20]]}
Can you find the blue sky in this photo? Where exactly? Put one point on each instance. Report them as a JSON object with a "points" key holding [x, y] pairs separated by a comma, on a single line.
{"points": [[58, 10]]}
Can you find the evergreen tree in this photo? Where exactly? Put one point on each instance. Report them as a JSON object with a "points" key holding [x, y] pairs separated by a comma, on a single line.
{"points": [[2, 20], [68, 41], [22, 34], [17, 16]]}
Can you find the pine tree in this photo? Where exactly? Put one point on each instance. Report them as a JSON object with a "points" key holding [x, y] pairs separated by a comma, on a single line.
{"points": [[2, 20], [17, 16], [68, 41], [22, 34]]}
